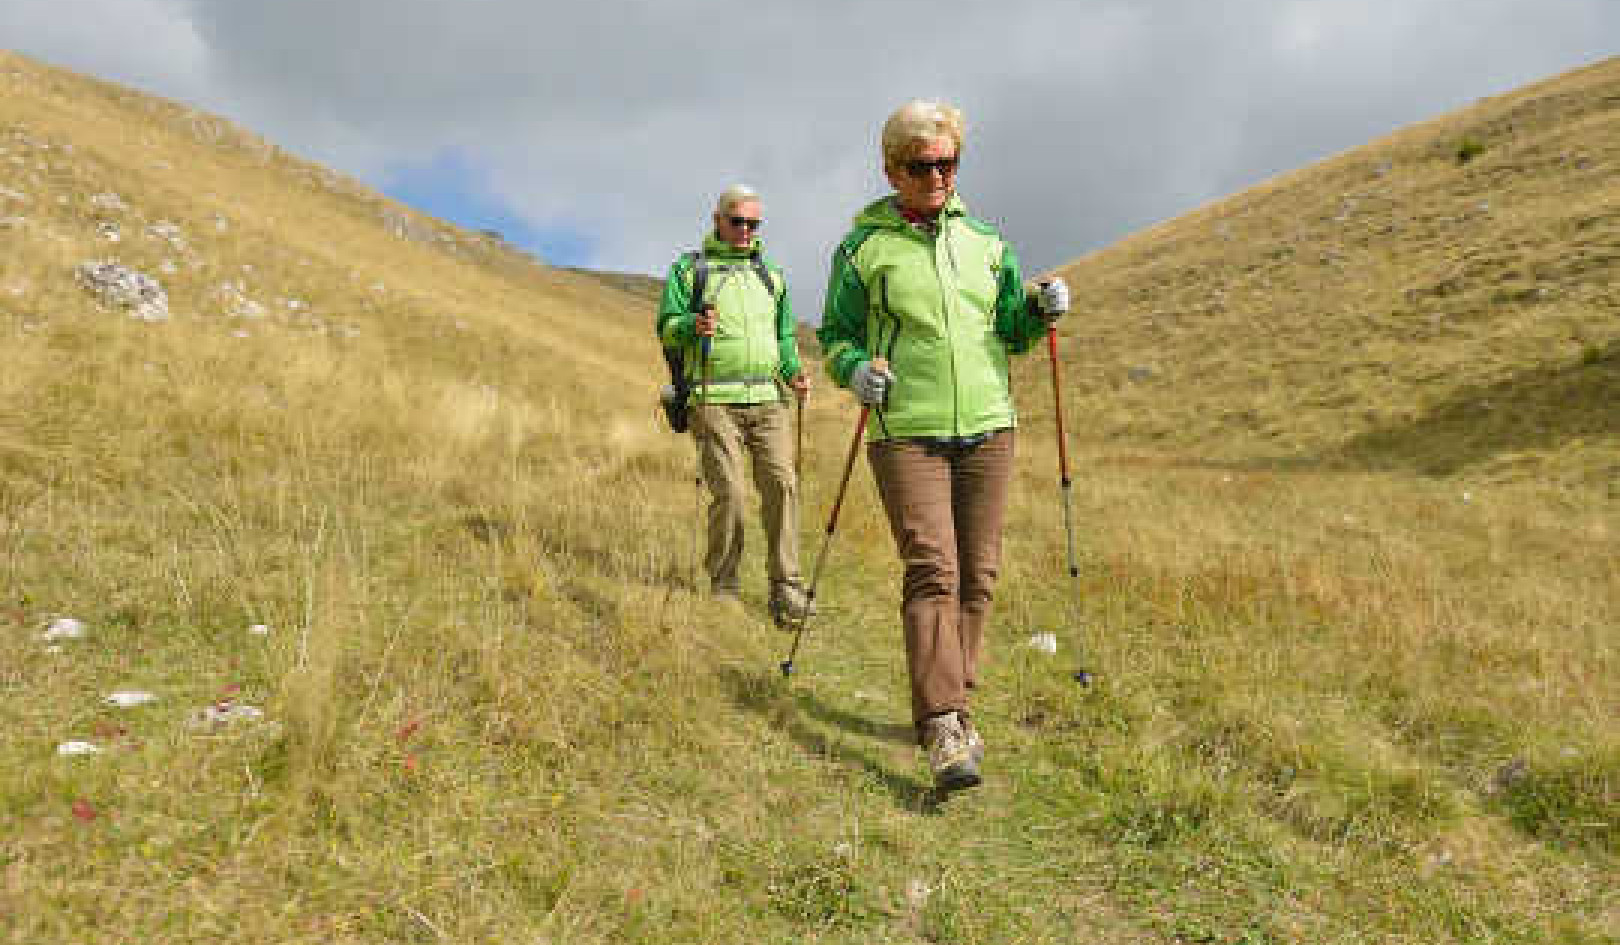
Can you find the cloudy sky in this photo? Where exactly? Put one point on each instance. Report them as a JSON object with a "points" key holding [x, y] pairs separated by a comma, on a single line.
{"points": [[598, 132]]}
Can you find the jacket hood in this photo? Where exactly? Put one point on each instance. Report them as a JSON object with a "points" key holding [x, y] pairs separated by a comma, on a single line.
{"points": [[881, 213]]}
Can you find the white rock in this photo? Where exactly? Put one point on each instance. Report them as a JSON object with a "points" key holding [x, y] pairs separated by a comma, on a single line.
{"points": [[13, 196], [1045, 642], [130, 698], [119, 285], [233, 296], [168, 232], [917, 893], [64, 628], [226, 713], [112, 203], [259, 630], [69, 749]]}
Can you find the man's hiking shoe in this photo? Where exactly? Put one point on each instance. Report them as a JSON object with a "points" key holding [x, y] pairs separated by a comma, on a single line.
{"points": [[790, 607], [949, 755], [673, 400]]}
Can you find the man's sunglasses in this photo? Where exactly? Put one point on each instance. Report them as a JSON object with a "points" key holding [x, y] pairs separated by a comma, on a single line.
{"points": [[945, 166], [745, 223]]}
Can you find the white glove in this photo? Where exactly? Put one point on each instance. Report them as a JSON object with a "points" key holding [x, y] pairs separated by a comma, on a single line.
{"points": [[1052, 298], [870, 383]]}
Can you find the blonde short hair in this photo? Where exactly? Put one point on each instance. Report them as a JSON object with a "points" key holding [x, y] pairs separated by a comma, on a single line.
{"points": [[735, 194], [916, 122]]}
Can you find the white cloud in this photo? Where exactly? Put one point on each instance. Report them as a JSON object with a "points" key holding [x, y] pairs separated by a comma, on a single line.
{"points": [[146, 43]]}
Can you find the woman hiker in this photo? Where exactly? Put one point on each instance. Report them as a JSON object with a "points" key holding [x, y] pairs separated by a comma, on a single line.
{"points": [[924, 305]]}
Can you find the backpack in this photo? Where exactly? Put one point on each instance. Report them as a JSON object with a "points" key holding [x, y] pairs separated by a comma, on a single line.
{"points": [[673, 398]]}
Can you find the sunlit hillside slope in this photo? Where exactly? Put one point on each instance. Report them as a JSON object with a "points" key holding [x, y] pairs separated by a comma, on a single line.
{"points": [[1445, 300], [346, 577]]}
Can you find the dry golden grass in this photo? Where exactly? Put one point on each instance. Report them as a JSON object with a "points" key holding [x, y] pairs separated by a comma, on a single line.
{"points": [[1391, 307], [1357, 678]]}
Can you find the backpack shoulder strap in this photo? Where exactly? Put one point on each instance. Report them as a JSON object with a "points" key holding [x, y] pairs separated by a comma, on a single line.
{"points": [[700, 278], [764, 273]]}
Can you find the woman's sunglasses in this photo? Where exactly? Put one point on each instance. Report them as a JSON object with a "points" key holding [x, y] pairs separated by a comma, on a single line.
{"points": [[745, 223], [945, 166]]}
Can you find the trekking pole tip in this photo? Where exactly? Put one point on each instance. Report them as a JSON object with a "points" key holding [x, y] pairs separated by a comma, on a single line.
{"points": [[787, 668], [1082, 677]]}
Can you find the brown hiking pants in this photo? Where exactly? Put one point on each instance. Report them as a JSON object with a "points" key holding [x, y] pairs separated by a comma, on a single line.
{"points": [[946, 506], [726, 434]]}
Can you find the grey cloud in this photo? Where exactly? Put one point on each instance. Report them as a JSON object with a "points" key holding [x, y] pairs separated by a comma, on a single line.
{"points": [[1087, 119]]}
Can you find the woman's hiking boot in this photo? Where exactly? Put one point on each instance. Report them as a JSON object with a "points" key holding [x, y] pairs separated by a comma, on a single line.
{"points": [[974, 742], [949, 755]]}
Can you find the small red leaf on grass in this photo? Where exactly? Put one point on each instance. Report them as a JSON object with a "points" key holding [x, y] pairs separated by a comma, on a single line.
{"points": [[410, 764], [84, 810], [634, 896], [408, 729]]}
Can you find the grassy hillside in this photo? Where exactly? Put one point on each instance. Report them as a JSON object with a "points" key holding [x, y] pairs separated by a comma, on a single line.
{"points": [[1356, 680], [1444, 301]]}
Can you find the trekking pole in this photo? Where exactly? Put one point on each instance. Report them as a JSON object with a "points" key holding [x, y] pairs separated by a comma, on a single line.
{"points": [[798, 443], [826, 542], [1081, 676]]}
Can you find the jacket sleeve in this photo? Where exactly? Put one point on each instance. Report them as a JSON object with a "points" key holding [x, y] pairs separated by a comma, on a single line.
{"points": [[677, 326], [843, 320], [1017, 322], [787, 332]]}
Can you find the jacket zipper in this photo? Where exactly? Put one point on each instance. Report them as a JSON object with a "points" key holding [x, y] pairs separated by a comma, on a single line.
{"points": [[946, 297]]}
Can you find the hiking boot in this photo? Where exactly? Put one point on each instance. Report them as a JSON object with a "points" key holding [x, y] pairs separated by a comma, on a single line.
{"points": [[790, 607], [949, 755], [974, 742]]}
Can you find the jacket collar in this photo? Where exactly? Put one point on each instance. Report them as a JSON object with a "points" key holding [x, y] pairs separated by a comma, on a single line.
{"points": [[715, 249], [885, 214]]}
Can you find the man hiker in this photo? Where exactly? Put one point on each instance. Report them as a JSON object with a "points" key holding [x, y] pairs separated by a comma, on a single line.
{"points": [[725, 310]]}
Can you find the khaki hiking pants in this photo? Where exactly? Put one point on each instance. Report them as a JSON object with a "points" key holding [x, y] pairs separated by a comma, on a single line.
{"points": [[946, 506], [725, 435]]}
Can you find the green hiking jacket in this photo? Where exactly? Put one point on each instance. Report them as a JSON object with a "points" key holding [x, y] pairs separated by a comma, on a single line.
{"points": [[945, 310], [754, 343]]}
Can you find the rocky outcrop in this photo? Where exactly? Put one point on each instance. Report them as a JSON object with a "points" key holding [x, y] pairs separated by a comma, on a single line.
{"points": [[119, 286]]}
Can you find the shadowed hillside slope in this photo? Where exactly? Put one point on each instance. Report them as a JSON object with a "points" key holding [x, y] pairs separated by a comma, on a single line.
{"points": [[345, 583], [1444, 300]]}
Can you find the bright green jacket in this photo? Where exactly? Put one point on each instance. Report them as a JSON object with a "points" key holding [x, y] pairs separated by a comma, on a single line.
{"points": [[945, 310], [754, 343]]}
